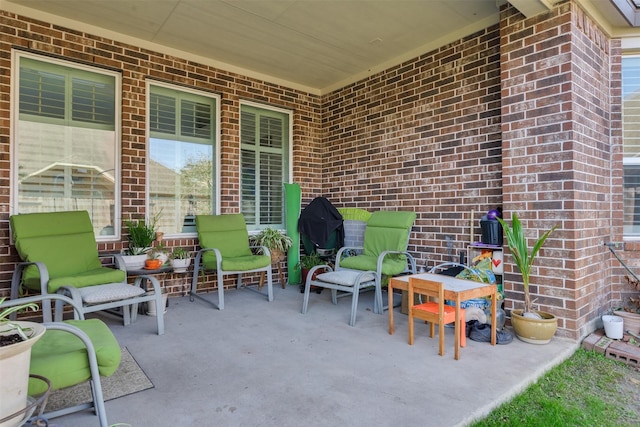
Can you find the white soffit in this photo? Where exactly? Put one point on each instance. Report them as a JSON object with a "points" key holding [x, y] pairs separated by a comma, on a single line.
{"points": [[314, 45], [531, 8]]}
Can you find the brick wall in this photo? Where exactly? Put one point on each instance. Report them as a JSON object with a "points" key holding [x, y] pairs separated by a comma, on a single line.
{"points": [[557, 157], [423, 136], [137, 66]]}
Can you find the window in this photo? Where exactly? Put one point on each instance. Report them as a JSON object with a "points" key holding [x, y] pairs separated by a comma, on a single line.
{"points": [[66, 140], [631, 136], [182, 171], [264, 163]]}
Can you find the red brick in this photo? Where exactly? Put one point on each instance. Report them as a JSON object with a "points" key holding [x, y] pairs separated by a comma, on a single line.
{"points": [[602, 345], [624, 352], [590, 342]]}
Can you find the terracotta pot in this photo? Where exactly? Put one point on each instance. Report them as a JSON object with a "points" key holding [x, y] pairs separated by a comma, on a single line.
{"points": [[313, 288], [153, 264], [631, 321], [305, 273], [534, 331]]}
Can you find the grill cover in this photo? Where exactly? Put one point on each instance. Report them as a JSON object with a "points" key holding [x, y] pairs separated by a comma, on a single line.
{"points": [[319, 220]]}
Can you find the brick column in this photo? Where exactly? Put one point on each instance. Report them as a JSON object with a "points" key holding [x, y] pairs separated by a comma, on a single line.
{"points": [[557, 150]]}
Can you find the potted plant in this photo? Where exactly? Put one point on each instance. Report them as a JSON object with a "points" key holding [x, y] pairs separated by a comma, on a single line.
{"points": [[141, 235], [180, 259], [160, 252], [531, 326], [278, 243], [153, 262], [307, 262], [16, 340]]}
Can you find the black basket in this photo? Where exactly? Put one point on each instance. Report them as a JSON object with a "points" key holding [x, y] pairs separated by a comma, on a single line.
{"points": [[491, 232]]}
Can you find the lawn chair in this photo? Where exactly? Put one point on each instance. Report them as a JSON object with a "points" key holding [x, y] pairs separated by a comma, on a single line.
{"points": [[225, 248], [60, 255], [384, 253], [70, 353]]}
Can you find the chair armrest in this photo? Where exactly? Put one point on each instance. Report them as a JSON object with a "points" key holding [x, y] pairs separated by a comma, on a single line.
{"points": [[410, 260], [18, 271], [117, 260], [198, 261], [314, 269], [261, 249], [344, 249], [61, 326], [43, 297], [154, 282]]}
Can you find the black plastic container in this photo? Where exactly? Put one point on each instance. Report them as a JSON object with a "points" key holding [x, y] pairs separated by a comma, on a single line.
{"points": [[491, 232]]}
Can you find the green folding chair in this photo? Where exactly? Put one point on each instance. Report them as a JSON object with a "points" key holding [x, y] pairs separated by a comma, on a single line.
{"points": [[70, 353], [384, 253], [224, 240], [60, 255]]}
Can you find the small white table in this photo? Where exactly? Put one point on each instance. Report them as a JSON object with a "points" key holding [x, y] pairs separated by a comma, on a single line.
{"points": [[456, 290]]}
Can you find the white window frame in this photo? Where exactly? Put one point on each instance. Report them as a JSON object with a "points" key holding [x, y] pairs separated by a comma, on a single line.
{"points": [[217, 149], [289, 171], [16, 56]]}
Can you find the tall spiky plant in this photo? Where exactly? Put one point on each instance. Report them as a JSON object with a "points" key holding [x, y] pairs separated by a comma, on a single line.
{"points": [[517, 242]]}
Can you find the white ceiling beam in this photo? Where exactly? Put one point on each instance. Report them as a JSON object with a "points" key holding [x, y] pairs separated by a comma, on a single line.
{"points": [[531, 8]]}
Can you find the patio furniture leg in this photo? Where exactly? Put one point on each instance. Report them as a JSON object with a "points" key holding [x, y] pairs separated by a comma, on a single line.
{"points": [[220, 291], [270, 287], [378, 306], [305, 300], [354, 304]]}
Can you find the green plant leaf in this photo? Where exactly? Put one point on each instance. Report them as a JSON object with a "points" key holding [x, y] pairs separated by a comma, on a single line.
{"points": [[517, 242]]}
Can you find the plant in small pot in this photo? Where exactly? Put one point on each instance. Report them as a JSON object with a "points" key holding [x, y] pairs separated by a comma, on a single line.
{"points": [[536, 327], [278, 243], [307, 262], [161, 253], [152, 262], [16, 340], [180, 259], [141, 235]]}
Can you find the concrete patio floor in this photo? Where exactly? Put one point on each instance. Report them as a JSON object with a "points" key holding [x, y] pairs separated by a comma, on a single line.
{"points": [[265, 364]]}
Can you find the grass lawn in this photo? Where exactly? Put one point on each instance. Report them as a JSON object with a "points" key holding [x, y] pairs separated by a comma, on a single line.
{"points": [[587, 389]]}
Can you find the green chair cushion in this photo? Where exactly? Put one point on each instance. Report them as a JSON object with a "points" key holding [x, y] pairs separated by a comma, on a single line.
{"points": [[392, 265], [227, 233], [99, 276], [354, 214], [386, 231], [62, 357], [63, 241], [244, 263]]}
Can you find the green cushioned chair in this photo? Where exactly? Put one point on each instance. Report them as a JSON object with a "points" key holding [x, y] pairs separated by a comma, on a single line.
{"points": [[386, 238], [71, 353], [384, 253], [60, 254], [225, 248]]}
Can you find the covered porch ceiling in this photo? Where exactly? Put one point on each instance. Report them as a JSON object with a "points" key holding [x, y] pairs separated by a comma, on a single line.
{"points": [[312, 45]]}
